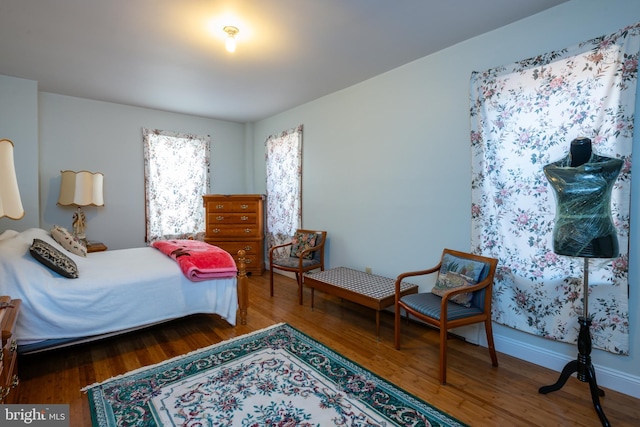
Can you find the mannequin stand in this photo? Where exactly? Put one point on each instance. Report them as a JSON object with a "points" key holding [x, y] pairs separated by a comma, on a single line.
{"points": [[582, 365]]}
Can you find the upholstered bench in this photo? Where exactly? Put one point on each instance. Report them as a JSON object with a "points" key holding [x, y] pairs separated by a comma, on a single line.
{"points": [[362, 288]]}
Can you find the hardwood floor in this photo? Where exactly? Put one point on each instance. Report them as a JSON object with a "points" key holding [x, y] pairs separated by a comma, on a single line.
{"points": [[476, 393]]}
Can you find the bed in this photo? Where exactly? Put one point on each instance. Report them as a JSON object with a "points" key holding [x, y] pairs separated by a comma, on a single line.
{"points": [[115, 291]]}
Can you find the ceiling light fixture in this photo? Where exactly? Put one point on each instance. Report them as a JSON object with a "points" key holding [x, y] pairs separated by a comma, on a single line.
{"points": [[231, 41]]}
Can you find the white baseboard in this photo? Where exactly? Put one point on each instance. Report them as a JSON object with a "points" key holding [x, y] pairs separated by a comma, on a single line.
{"points": [[606, 377]]}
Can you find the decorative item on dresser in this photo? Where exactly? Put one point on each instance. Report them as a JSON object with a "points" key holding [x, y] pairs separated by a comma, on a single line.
{"points": [[9, 352], [235, 222]]}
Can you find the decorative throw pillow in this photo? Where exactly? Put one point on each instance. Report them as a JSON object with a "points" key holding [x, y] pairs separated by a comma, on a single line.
{"points": [[453, 280], [302, 242], [53, 259], [457, 272], [68, 241]]}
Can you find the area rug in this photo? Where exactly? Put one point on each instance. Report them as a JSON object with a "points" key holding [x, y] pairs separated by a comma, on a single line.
{"points": [[276, 376]]}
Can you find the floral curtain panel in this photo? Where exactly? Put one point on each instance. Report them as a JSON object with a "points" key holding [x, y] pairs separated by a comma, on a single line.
{"points": [[283, 154], [176, 176], [524, 116]]}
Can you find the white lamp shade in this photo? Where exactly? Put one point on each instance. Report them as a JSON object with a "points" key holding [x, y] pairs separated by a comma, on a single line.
{"points": [[82, 188], [10, 203]]}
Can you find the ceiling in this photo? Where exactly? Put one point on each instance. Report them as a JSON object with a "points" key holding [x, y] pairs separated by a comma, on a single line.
{"points": [[169, 54]]}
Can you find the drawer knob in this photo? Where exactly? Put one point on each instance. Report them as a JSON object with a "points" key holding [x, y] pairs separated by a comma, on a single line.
{"points": [[215, 230], [219, 206], [248, 230], [244, 206], [244, 218], [220, 218], [248, 248]]}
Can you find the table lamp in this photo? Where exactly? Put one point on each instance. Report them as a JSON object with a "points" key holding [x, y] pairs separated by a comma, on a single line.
{"points": [[80, 189]]}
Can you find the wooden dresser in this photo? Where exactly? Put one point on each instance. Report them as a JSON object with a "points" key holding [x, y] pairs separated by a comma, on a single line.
{"points": [[236, 222], [9, 310]]}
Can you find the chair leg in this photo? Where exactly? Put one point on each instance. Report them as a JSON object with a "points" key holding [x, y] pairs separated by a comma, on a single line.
{"points": [[492, 349], [299, 280], [443, 355], [397, 327], [271, 281]]}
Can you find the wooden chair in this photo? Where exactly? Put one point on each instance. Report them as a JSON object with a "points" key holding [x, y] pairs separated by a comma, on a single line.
{"points": [[455, 268], [307, 253]]}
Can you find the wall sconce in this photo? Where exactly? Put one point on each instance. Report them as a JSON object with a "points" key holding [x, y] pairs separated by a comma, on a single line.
{"points": [[10, 202], [79, 189], [231, 40]]}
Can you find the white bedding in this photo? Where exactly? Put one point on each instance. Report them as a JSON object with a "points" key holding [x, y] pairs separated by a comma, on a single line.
{"points": [[115, 290]]}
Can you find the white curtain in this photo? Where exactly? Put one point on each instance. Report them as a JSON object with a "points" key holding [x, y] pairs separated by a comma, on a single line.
{"points": [[176, 176], [283, 155], [524, 116]]}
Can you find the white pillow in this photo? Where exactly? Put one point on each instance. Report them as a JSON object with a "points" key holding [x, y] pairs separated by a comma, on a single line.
{"points": [[8, 234], [68, 241]]}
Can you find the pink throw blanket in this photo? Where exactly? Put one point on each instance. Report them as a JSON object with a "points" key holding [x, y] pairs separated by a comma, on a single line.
{"points": [[198, 260]]}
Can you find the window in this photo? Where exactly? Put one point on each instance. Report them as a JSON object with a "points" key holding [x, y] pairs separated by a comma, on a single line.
{"points": [[176, 176], [284, 185]]}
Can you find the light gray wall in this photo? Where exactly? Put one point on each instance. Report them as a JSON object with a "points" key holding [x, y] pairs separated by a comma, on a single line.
{"points": [[19, 123], [80, 134], [386, 166]]}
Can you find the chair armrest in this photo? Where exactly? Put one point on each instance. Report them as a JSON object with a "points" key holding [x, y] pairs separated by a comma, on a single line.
{"points": [[453, 292], [273, 248], [403, 276], [308, 251]]}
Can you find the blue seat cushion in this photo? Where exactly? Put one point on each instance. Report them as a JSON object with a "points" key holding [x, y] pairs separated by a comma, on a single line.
{"points": [[429, 305]]}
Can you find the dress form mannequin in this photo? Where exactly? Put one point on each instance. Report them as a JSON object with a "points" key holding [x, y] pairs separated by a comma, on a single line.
{"points": [[583, 182], [584, 228]]}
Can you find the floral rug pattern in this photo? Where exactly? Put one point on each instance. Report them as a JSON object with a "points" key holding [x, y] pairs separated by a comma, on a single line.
{"points": [[274, 377]]}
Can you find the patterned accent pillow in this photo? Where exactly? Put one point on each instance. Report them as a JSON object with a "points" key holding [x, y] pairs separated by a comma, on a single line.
{"points": [[301, 242], [453, 280], [53, 259], [68, 241], [457, 272]]}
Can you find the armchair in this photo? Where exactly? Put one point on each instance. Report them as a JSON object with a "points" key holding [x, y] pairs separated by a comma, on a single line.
{"points": [[461, 296], [307, 253]]}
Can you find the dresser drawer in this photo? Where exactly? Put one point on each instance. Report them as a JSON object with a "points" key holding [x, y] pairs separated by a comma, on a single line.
{"points": [[233, 232], [231, 218], [254, 256], [251, 248], [231, 206]]}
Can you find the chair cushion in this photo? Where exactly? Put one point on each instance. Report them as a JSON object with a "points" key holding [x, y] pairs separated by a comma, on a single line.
{"points": [[457, 272], [429, 305], [302, 242], [294, 262]]}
